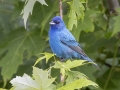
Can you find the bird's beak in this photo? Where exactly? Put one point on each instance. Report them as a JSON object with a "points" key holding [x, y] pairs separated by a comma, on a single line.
{"points": [[52, 23]]}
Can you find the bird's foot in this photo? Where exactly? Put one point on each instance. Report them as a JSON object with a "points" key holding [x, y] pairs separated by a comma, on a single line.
{"points": [[61, 59]]}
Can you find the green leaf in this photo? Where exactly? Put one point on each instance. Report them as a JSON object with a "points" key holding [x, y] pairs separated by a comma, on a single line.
{"points": [[39, 59], [24, 83], [82, 82], [41, 81], [74, 75], [76, 12], [48, 16], [42, 77], [101, 21], [29, 4], [16, 43], [76, 33], [89, 71], [2, 89], [87, 23], [72, 17], [46, 56], [79, 8], [69, 64], [12, 88], [117, 23]]}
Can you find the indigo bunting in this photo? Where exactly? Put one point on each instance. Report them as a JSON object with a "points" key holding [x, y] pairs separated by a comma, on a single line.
{"points": [[63, 43]]}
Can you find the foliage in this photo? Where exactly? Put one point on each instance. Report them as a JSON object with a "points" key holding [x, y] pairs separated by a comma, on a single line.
{"points": [[21, 41], [29, 8], [116, 24], [42, 79], [76, 11], [90, 22]]}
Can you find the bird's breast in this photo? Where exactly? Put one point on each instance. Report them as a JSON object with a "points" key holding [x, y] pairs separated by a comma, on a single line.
{"points": [[58, 48]]}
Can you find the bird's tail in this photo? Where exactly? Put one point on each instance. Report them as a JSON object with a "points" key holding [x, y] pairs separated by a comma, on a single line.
{"points": [[97, 66], [89, 60]]}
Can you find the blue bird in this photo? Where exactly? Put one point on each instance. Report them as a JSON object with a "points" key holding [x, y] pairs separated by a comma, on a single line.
{"points": [[63, 43]]}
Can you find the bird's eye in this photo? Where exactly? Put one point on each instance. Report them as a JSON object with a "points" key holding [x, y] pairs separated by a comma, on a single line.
{"points": [[57, 22]]}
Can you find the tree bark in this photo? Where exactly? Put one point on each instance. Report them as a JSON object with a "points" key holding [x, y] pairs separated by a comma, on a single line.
{"points": [[112, 5], [60, 8]]}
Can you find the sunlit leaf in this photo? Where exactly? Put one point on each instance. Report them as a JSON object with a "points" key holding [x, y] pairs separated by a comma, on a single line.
{"points": [[2, 89], [41, 81], [82, 82], [74, 75], [69, 64], [39, 59], [42, 77], [46, 56], [24, 83]]}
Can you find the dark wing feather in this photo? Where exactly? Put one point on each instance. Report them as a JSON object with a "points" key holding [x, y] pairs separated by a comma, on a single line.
{"points": [[73, 44]]}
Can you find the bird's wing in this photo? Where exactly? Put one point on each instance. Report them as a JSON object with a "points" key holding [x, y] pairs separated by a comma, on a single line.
{"points": [[72, 43]]}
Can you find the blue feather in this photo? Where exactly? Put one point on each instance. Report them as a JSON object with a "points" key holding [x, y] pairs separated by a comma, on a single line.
{"points": [[63, 43]]}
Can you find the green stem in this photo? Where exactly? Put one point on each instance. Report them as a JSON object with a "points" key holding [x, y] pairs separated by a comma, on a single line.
{"points": [[112, 68], [43, 10]]}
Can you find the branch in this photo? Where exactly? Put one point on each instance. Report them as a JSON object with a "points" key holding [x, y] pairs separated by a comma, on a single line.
{"points": [[61, 15], [112, 5], [60, 8]]}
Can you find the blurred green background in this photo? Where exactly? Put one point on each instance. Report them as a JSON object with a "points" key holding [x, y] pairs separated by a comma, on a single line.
{"points": [[98, 34]]}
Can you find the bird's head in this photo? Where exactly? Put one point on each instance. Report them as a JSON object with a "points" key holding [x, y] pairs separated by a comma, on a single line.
{"points": [[57, 23]]}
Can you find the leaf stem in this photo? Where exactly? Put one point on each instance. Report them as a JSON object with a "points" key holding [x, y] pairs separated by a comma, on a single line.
{"points": [[112, 68]]}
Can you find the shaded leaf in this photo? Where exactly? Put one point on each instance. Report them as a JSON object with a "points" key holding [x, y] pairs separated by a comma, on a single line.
{"points": [[48, 16], [101, 21], [16, 43], [76, 12], [79, 8], [12, 88], [72, 18], [29, 4], [116, 28], [87, 23]]}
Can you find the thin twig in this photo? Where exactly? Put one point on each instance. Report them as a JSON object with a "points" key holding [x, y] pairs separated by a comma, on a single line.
{"points": [[61, 15], [61, 78], [111, 70], [60, 8]]}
